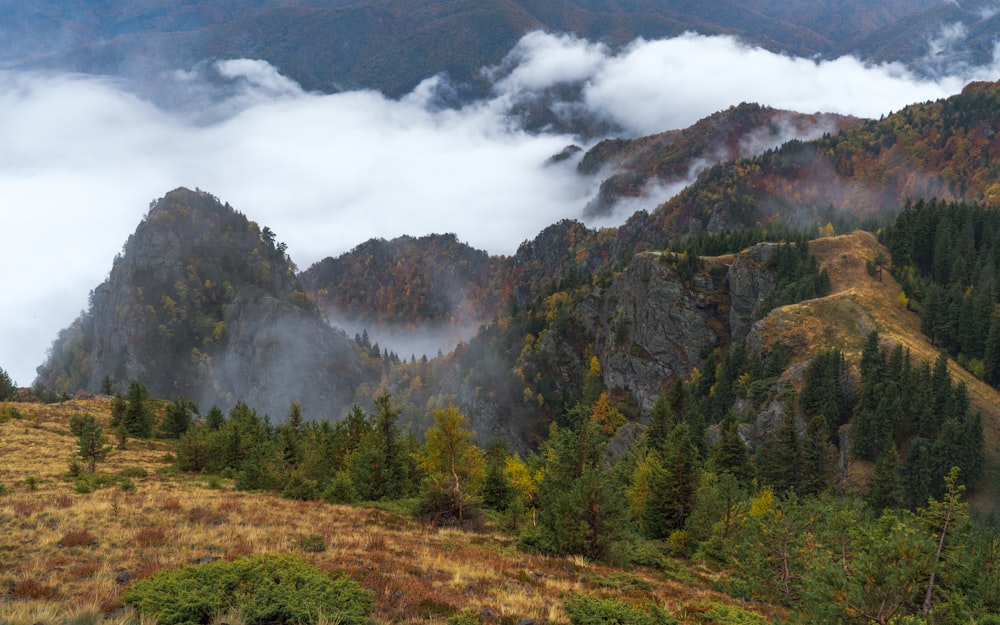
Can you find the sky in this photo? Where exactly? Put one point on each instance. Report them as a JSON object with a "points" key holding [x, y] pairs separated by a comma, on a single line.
{"points": [[82, 157]]}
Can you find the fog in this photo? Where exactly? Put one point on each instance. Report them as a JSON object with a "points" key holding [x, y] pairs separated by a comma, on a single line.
{"points": [[82, 156]]}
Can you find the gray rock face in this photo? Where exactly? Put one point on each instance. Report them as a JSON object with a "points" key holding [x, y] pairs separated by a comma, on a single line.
{"points": [[748, 281], [652, 325]]}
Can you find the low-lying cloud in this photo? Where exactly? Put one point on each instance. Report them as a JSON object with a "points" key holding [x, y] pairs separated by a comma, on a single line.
{"points": [[82, 156]]}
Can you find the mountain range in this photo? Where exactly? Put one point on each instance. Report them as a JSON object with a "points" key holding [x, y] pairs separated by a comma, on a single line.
{"points": [[391, 45], [183, 312]]}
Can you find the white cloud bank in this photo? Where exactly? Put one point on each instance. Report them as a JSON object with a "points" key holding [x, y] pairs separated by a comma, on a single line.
{"points": [[81, 157]]}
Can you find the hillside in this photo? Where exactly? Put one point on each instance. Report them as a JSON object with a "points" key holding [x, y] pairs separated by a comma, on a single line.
{"points": [[857, 304], [941, 149], [631, 167], [70, 555]]}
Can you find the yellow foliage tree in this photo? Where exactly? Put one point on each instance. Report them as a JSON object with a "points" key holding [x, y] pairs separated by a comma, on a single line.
{"points": [[607, 416], [455, 466]]}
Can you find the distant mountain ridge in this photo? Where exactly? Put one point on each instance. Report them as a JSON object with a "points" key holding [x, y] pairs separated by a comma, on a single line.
{"points": [[392, 45]]}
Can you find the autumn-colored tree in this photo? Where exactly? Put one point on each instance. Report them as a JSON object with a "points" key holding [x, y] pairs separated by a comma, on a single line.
{"points": [[455, 466]]}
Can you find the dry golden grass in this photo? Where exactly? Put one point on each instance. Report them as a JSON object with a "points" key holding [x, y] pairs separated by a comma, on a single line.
{"points": [[859, 303], [64, 554]]}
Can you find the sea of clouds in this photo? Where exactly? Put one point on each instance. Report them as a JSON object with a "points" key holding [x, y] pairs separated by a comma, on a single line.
{"points": [[82, 156]]}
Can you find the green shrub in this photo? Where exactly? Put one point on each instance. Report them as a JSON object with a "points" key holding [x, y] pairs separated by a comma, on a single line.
{"points": [[266, 588], [32, 482], [301, 488], [588, 610], [127, 485], [3, 488], [128, 472], [464, 618], [730, 615], [313, 543], [340, 489]]}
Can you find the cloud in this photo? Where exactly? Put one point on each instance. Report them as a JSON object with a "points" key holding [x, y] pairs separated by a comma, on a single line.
{"points": [[82, 156]]}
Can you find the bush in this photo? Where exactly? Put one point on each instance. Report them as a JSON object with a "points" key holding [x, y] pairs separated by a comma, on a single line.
{"points": [[266, 588], [301, 488], [313, 543], [464, 618], [78, 538], [587, 610], [340, 489]]}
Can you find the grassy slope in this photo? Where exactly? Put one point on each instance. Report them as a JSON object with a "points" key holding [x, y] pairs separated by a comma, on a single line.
{"points": [[858, 303], [418, 573]]}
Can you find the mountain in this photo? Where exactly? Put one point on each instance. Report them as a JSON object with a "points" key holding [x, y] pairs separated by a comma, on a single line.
{"points": [[203, 303], [392, 45], [405, 282], [942, 149], [675, 157]]}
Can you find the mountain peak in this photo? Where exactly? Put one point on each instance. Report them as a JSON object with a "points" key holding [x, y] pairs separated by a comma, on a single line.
{"points": [[200, 293]]}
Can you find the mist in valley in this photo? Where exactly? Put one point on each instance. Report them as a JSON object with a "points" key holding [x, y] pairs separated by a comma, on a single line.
{"points": [[83, 155]]}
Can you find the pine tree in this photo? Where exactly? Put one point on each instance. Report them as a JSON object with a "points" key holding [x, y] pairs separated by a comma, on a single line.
{"points": [[91, 443], [779, 458], [885, 489], [497, 492], [732, 455], [7, 387], [214, 420], [138, 417], [177, 418], [387, 430], [661, 422], [817, 458], [673, 484]]}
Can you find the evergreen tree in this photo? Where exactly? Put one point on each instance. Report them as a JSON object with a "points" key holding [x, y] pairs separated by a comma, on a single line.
{"points": [[214, 420], [177, 418], [991, 357], [497, 492], [779, 458], [138, 418], [390, 445], [291, 437], [90, 443], [661, 422], [580, 510], [885, 489], [817, 458], [732, 455], [945, 518], [7, 387], [673, 484]]}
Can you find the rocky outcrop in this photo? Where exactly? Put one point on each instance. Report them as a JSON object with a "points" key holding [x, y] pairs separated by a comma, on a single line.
{"points": [[748, 281], [653, 322]]}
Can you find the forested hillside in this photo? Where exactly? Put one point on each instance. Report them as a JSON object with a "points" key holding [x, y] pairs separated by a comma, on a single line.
{"points": [[942, 149]]}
